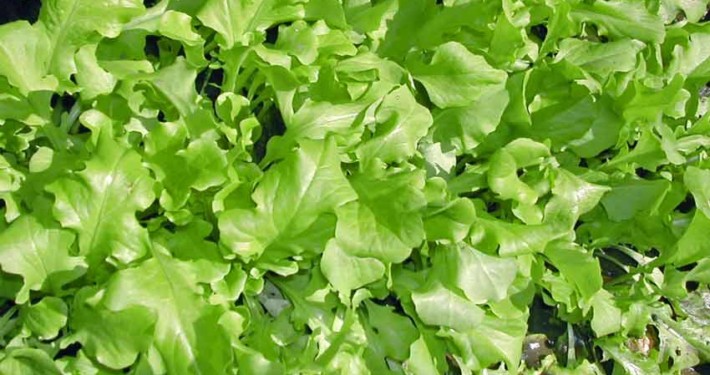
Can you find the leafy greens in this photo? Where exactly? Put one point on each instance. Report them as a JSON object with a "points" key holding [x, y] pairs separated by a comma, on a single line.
{"points": [[355, 187]]}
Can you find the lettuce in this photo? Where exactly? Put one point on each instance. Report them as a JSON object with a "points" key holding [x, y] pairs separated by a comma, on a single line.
{"points": [[354, 187]]}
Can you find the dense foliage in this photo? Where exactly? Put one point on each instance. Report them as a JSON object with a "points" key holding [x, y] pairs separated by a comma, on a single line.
{"points": [[355, 187]]}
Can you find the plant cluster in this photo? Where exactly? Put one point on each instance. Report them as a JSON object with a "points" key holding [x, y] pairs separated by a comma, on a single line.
{"points": [[355, 187]]}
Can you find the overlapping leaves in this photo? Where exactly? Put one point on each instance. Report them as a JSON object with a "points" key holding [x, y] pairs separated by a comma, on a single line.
{"points": [[359, 187]]}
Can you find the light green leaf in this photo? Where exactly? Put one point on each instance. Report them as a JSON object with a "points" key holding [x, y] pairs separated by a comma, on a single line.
{"points": [[70, 24], [464, 128], [420, 361], [360, 271], [101, 201], [41, 160], [601, 59], [174, 88], [495, 340], [237, 21], [187, 335], [386, 221], [698, 182], [577, 266], [630, 198], [694, 10], [94, 80], [290, 198], [114, 339], [483, 278], [581, 195], [393, 332], [46, 317], [439, 306], [622, 19], [693, 245], [693, 59], [39, 254], [503, 171], [299, 40], [28, 361], [177, 26], [456, 77], [607, 317], [627, 360], [200, 165], [10, 178], [401, 123], [452, 222], [513, 238], [24, 57]]}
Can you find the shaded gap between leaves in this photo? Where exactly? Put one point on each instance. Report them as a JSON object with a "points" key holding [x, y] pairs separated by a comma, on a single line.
{"points": [[539, 31], [27, 10], [208, 83], [272, 33], [70, 351], [272, 125]]}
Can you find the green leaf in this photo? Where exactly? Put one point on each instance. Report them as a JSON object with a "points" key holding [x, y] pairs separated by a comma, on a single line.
{"points": [[290, 198], [39, 254], [585, 125], [601, 59], [101, 201], [503, 171], [622, 19], [174, 88], [455, 77], [406, 19], [90, 75], [607, 317], [46, 317], [187, 335], [439, 306], [452, 222], [298, 40], [630, 198], [28, 361], [697, 181], [482, 278], [401, 123], [692, 246], [69, 24], [24, 57], [355, 187], [319, 119], [464, 128], [386, 221], [492, 340], [394, 332], [114, 339], [237, 21], [420, 360], [361, 271], [578, 267]]}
